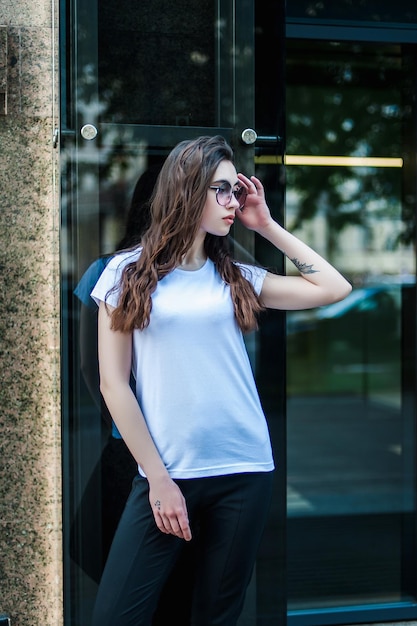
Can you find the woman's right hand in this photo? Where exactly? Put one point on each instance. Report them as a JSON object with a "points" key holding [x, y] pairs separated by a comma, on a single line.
{"points": [[169, 508]]}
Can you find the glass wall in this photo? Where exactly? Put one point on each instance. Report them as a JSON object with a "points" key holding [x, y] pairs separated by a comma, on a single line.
{"points": [[350, 192], [139, 78], [338, 384]]}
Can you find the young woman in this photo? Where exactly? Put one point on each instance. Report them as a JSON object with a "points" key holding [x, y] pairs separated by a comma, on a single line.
{"points": [[174, 310]]}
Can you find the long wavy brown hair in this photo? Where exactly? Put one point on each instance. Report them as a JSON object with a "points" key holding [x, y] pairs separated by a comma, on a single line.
{"points": [[177, 206]]}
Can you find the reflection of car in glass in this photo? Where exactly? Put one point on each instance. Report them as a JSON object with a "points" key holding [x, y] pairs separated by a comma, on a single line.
{"points": [[365, 324]]}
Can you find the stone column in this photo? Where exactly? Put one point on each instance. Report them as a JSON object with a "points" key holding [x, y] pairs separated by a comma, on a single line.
{"points": [[30, 458]]}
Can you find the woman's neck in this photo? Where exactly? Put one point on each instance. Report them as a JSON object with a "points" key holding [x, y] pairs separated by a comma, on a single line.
{"points": [[195, 257]]}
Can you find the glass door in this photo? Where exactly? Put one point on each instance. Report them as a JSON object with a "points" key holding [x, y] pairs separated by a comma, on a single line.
{"points": [[351, 412], [137, 77]]}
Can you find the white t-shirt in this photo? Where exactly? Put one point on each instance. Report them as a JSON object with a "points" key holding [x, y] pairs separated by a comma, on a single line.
{"points": [[194, 381]]}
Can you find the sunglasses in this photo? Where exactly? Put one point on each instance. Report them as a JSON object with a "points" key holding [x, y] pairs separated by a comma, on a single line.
{"points": [[225, 191]]}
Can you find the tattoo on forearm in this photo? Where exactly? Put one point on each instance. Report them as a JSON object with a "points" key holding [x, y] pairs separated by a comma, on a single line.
{"points": [[303, 267]]}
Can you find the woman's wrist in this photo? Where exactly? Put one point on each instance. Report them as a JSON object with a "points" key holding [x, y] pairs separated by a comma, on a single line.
{"points": [[157, 474], [270, 230]]}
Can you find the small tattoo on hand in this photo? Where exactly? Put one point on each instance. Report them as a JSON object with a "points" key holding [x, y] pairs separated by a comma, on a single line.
{"points": [[157, 503], [303, 267]]}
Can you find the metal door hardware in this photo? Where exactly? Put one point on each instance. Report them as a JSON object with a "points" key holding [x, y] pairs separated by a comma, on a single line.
{"points": [[89, 132], [250, 136]]}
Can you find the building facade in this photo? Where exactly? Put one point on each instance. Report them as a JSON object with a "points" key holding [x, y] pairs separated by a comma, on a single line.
{"points": [[318, 99], [30, 457]]}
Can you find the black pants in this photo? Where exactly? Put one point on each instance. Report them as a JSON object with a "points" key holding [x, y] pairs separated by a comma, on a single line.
{"points": [[227, 516]]}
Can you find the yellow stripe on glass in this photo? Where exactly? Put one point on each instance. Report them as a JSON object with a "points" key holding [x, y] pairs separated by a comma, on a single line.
{"points": [[339, 161]]}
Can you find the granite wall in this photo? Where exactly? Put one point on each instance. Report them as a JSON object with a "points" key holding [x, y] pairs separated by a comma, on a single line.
{"points": [[30, 464]]}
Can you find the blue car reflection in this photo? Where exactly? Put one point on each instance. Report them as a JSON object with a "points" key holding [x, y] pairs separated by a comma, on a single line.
{"points": [[367, 325]]}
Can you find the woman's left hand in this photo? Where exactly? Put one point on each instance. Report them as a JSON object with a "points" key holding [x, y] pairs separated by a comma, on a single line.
{"points": [[255, 215]]}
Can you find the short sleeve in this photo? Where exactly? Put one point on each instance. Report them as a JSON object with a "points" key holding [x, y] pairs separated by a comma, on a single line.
{"points": [[88, 280], [107, 287], [254, 274]]}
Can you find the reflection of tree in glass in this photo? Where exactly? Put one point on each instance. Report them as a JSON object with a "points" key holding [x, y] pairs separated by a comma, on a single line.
{"points": [[368, 11], [156, 62], [346, 100]]}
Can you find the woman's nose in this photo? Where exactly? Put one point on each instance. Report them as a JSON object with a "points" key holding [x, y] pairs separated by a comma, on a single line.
{"points": [[234, 203]]}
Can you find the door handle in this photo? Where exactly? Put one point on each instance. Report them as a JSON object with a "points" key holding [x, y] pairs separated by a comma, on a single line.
{"points": [[250, 136]]}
